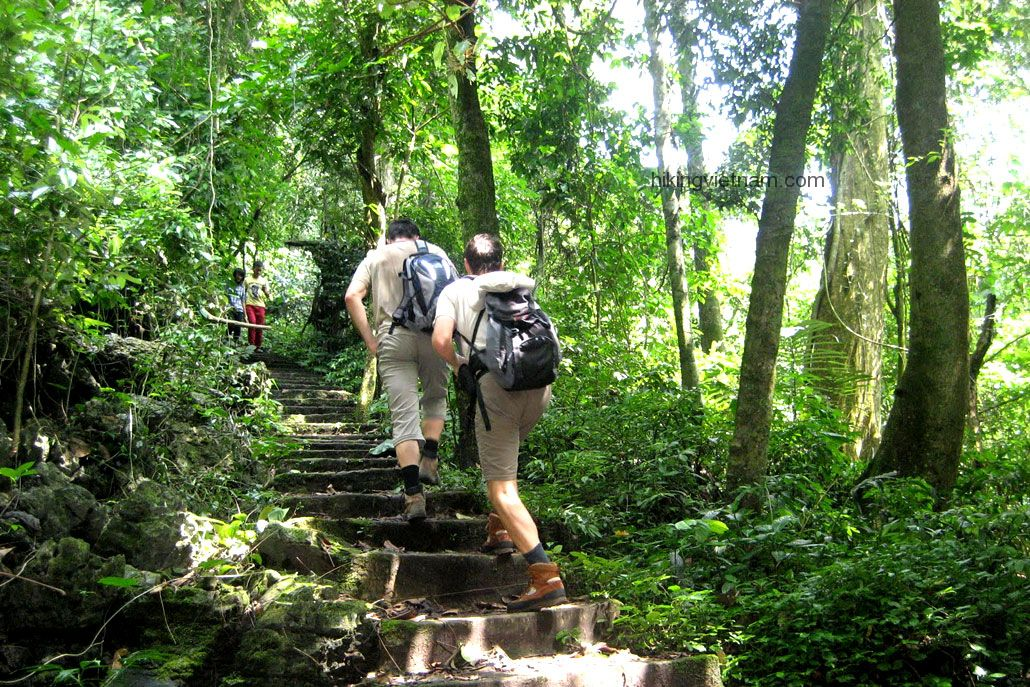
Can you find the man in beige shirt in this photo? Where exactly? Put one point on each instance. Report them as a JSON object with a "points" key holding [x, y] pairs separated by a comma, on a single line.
{"points": [[512, 415], [405, 358]]}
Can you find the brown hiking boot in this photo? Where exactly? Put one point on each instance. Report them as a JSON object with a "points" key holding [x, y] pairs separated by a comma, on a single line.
{"points": [[428, 470], [498, 541], [415, 506], [545, 589]]}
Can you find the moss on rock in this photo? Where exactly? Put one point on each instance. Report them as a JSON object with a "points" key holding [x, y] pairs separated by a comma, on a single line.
{"points": [[146, 528]]}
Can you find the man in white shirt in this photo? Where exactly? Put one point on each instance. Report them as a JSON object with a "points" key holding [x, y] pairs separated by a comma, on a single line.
{"points": [[405, 357], [512, 414]]}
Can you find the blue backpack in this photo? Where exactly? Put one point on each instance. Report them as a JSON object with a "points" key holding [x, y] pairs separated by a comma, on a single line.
{"points": [[424, 276]]}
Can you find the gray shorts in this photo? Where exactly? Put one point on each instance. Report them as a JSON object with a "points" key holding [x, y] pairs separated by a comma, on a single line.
{"points": [[512, 416], [405, 358]]}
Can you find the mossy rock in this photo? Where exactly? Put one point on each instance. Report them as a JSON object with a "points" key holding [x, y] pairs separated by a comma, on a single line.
{"points": [[701, 670], [397, 632], [297, 545], [146, 528], [68, 565], [193, 649], [62, 508], [296, 606], [303, 618]]}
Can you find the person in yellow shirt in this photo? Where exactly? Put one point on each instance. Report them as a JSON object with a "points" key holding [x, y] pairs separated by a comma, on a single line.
{"points": [[257, 291]]}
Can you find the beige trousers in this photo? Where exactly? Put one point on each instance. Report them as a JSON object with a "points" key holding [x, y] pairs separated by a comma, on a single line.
{"points": [[512, 415], [405, 359]]}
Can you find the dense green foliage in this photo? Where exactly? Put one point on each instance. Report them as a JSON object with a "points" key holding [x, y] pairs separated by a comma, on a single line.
{"points": [[831, 584]]}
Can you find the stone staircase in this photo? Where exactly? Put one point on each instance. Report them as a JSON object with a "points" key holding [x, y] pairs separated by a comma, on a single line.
{"points": [[435, 601]]}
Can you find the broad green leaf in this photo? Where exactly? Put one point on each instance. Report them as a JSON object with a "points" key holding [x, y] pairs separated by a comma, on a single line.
{"points": [[118, 582]]}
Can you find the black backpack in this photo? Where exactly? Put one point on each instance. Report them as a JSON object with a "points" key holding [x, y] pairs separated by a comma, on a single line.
{"points": [[424, 276], [521, 344]]}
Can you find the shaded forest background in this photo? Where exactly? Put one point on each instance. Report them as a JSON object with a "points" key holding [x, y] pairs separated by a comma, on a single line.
{"points": [[813, 462]]}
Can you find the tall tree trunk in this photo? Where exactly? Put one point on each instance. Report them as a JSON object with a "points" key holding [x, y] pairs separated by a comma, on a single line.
{"points": [[702, 232], [924, 431], [477, 195], [748, 449], [670, 205], [371, 124], [476, 201], [372, 192], [845, 355]]}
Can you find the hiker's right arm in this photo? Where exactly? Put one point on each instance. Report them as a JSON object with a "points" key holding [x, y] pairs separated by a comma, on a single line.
{"points": [[354, 299], [443, 335]]}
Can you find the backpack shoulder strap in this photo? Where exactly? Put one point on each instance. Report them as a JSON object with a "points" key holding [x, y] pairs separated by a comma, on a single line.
{"points": [[422, 246], [475, 332]]}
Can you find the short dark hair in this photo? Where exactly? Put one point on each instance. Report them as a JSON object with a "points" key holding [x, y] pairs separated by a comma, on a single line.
{"points": [[239, 271], [402, 228], [484, 253]]}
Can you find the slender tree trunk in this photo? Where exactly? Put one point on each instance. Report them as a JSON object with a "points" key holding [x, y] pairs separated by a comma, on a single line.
{"points": [[924, 431], [976, 360], [702, 231], [748, 450], [42, 285], [371, 124], [662, 124], [845, 356], [476, 201], [899, 290]]}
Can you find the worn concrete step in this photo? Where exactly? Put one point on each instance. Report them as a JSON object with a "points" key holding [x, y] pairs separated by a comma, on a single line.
{"points": [[307, 463], [414, 646], [306, 385], [329, 441], [281, 364], [431, 534], [288, 379], [303, 383], [460, 533], [317, 407], [354, 452], [313, 395], [592, 670], [331, 417], [342, 440], [335, 428], [383, 505], [453, 580], [369, 479]]}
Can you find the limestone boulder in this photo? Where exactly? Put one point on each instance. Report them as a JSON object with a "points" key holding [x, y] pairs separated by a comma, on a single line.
{"points": [[146, 527]]}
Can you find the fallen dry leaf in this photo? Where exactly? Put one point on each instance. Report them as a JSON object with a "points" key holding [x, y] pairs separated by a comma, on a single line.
{"points": [[116, 662]]}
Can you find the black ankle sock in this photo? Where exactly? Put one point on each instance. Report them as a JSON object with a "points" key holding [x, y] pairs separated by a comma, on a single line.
{"points": [[431, 447], [536, 555], [410, 475]]}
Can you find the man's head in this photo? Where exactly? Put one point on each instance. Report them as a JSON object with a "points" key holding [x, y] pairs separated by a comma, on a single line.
{"points": [[484, 253], [238, 275], [258, 267], [400, 229]]}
